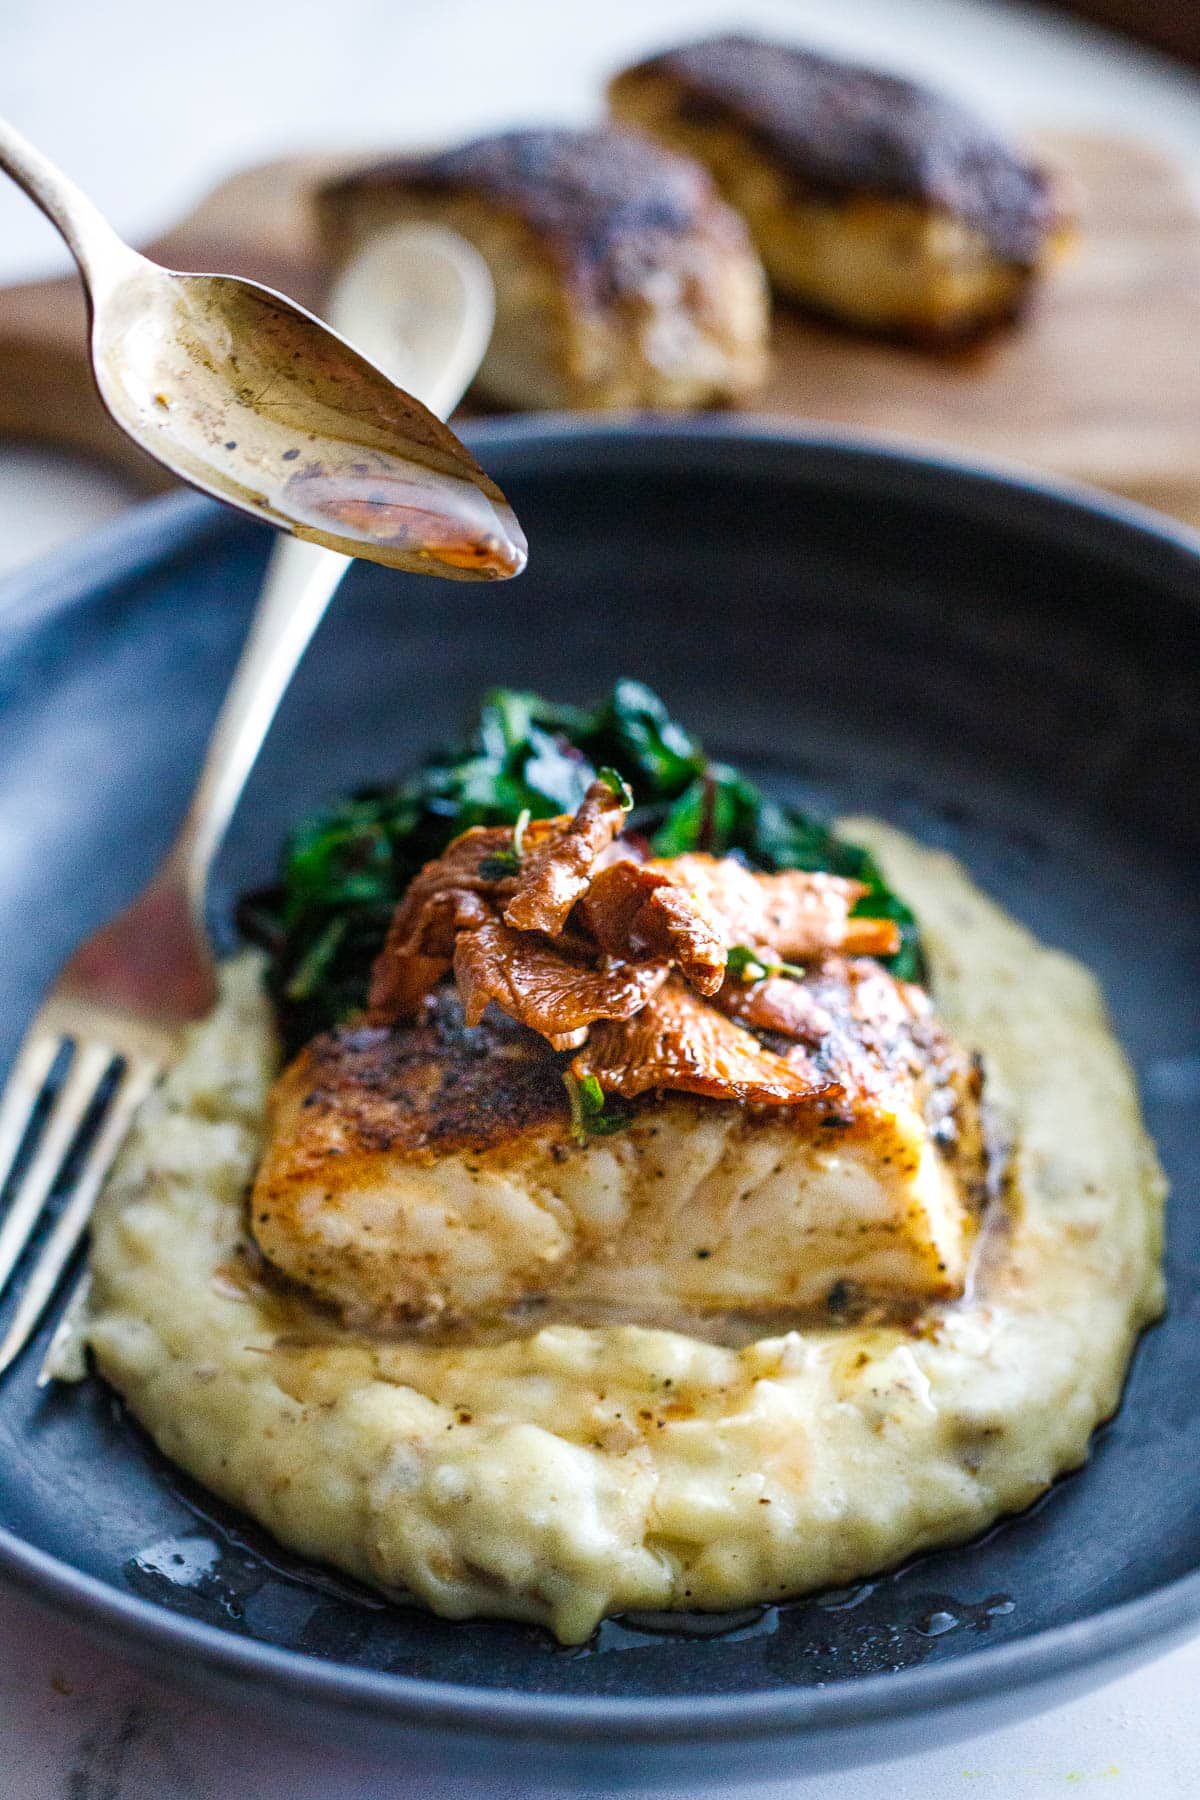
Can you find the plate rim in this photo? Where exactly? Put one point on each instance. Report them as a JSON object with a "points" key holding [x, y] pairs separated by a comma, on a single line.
{"points": [[170, 525]]}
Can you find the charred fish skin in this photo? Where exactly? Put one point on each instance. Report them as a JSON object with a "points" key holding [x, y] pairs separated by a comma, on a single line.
{"points": [[622, 278], [872, 199]]}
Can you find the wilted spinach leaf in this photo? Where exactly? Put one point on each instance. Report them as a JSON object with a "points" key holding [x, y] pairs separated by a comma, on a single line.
{"points": [[344, 869]]}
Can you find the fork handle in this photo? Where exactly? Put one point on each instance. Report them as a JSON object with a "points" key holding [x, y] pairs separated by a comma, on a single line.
{"points": [[446, 338], [300, 582]]}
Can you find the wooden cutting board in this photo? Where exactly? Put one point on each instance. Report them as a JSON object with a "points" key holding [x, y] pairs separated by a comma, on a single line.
{"points": [[1102, 382]]}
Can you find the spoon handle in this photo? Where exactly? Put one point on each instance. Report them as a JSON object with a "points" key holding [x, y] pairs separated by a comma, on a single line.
{"points": [[427, 327], [88, 235]]}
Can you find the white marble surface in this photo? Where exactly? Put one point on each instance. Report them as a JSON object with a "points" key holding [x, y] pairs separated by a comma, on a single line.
{"points": [[149, 103]]}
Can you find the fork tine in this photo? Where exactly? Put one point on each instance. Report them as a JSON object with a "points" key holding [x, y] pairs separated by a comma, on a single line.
{"points": [[29, 1075], [133, 1087], [89, 1066], [54, 1362]]}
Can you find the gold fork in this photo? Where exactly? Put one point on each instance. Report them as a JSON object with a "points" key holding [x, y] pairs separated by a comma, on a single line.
{"points": [[418, 301]]}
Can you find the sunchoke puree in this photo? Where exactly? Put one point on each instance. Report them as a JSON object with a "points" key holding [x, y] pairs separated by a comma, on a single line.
{"points": [[646, 1352], [571, 1471]]}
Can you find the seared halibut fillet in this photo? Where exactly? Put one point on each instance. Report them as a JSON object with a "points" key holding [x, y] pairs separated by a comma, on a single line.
{"points": [[622, 278], [633, 1097], [433, 1170], [872, 199]]}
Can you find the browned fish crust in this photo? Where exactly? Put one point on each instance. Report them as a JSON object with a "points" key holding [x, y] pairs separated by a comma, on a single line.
{"points": [[882, 1032], [622, 278], [601, 202], [441, 1087], [840, 130], [430, 1089]]}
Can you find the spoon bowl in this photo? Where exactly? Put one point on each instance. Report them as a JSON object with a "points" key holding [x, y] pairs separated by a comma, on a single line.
{"points": [[252, 399]]}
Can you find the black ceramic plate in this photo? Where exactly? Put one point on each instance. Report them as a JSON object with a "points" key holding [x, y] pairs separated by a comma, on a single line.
{"points": [[1005, 670]]}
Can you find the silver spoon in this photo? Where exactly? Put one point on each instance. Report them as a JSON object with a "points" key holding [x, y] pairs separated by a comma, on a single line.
{"points": [[250, 398]]}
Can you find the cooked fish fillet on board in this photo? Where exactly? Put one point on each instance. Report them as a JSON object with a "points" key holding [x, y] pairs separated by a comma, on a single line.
{"points": [[622, 279], [871, 198]]}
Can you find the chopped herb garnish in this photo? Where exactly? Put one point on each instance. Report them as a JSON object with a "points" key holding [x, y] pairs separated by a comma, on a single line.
{"points": [[316, 960], [755, 965], [345, 869], [507, 862], [616, 784], [743, 962], [593, 1113]]}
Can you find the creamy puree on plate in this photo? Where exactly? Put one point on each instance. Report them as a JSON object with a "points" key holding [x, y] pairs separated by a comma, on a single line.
{"points": [[572, 1472]]}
